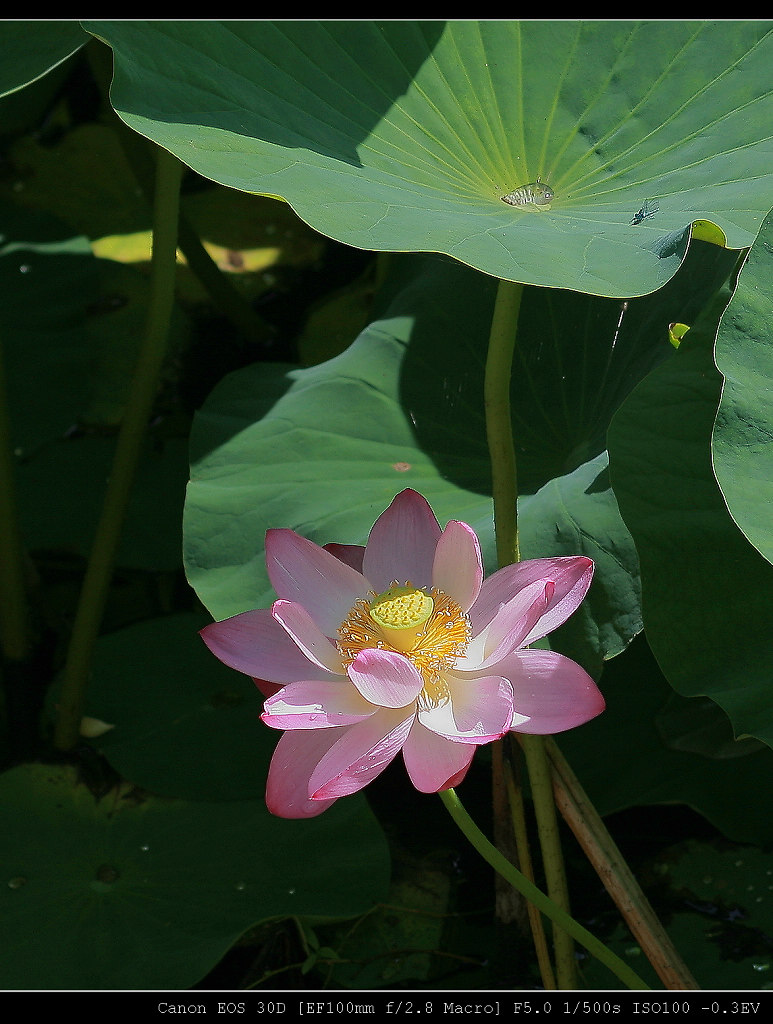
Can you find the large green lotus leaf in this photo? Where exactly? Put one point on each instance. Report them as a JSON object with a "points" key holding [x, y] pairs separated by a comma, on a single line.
{"points": [[743, 431], [324, 450], [707, 592], [134, 892], [29, 49], [405, 135]]}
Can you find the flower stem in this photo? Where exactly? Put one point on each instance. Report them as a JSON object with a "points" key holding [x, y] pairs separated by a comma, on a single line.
{"points": [[523, 855], [552, 856], [492, 856], [88, 616], [499, 427], [559, 788], [504, 482]]}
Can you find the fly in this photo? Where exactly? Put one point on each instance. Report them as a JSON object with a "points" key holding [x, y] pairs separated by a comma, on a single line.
{"points": [[536, 193], [650, 208]]}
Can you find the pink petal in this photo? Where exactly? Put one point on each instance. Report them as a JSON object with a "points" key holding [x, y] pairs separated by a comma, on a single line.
{"points": [[386, 678], [316, 704], [458, 568], [479, 711], [311, 640], [551, 693], [349, 553], [360, 755], [254, 643], [295, 757], [572, 577], [303, 572], [402, 543], [514, 621], [433, 762]]}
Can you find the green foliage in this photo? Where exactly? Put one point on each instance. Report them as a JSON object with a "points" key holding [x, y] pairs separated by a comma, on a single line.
{"points": [[397, 409], [159, 687], [742, 442], [706, 591], [32, 49], [653, 459], [403, 135], [670, 749], [392, 411], [147, 893], [68, 359]]}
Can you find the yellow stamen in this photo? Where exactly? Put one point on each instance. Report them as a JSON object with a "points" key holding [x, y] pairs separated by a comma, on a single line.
{"points": [[429, 628]]}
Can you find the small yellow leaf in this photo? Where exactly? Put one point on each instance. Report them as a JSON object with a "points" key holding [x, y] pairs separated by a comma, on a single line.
{"points": [[676, 332]]}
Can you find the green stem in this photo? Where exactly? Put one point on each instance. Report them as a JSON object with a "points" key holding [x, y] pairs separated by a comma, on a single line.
{"points": [[537, 749], [139, 404], [504, 481], [499, 427], [523, 855], [14, 613], [504, 488], [492, 856], [552, 857]]}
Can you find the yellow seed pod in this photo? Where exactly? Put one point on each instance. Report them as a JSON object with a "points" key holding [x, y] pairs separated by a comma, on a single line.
{"points": [[401, 612]]}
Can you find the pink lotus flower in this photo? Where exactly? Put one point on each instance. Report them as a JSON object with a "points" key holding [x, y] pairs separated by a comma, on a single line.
{"points": [[402, 645]]}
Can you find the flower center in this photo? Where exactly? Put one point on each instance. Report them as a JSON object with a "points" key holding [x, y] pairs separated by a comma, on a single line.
{"points": [[400, 613], [429, 628]]}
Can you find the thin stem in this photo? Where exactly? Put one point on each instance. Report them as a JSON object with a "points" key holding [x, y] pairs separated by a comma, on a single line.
{"points": [[618, 879], [509, 906], [563, 789], [517, 812], [504, 481], [504, 488], [492, 856], [14, 610], [552, 855], [499, 427], [139, 404]]}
